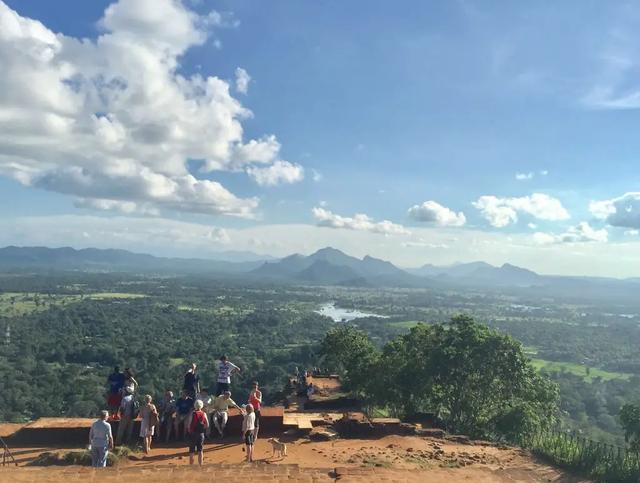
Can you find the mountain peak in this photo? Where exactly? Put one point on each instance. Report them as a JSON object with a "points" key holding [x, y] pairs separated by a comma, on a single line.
{"points": [[328, 251]]}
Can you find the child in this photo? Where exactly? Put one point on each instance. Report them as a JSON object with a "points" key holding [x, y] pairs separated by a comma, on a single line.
{"points": [[248, 427]]}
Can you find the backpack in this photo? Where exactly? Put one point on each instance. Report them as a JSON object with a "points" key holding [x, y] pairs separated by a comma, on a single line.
{"points": [[135, 409], [154, 418], [198, 427]]}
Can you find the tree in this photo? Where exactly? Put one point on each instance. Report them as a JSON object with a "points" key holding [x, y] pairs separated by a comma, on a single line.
{"points": [[478, 381], [630, 419], [350, 353]]}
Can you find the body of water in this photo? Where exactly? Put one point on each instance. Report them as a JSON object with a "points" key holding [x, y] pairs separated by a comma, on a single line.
{"points": [[344, 315]]}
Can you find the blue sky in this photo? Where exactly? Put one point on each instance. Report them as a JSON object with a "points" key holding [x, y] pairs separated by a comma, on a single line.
{"points": [[420, 132]]}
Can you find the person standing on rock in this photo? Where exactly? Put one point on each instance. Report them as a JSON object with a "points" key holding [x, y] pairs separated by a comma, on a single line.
{"points": [[225, 371], [101, 440], [255, 399], [130, 384], [115, 381], [197, 429], [192, 381], [149, 421]]}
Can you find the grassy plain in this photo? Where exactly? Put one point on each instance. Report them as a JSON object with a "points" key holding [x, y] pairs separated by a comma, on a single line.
{"points": [[21, 303], [587, 373]]}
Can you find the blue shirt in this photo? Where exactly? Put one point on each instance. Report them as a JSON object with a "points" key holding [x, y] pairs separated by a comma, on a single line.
{"points": [[116, 382]]}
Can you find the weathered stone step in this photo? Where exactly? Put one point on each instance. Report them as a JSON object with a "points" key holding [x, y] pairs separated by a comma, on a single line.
{"points": [[161, 473]]}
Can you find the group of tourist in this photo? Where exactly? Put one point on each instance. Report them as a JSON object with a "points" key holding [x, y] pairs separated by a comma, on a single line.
{"points": [[190, 416]]}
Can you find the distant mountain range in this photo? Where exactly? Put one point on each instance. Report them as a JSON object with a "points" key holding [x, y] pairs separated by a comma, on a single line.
{"points": [[327, 266], [112, 260]]}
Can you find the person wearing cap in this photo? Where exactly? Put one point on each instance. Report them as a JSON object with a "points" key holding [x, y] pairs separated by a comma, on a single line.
{"points": [[197, 428], [101, 440], [221, 411]]}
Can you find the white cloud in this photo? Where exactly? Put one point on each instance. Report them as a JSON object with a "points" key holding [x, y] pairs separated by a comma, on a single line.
{"points": [[316, 175], [632, 232], [359, 222], [581, 233], [623, 211], [501, 212], [424, 244], [533, 226], [242, 80], [431, 211], [544, 172], [124, 207], [114, 120], [524, 176], [280, 172]]}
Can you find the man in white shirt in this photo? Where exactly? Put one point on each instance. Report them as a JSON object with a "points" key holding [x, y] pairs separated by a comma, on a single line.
{"points": [[101, 440], [225, 370]]}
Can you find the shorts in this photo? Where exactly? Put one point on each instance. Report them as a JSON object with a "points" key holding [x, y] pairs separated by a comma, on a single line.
{"points": [[222, 387], [257, 413], [197, 442], [114, 400], [248, 437]]}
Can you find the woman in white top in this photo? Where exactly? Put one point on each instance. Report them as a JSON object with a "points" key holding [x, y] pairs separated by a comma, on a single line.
{"points": [[149, 420], [248, 427]]}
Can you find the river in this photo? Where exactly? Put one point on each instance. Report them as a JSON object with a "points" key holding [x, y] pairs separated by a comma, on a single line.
{"points": [[344, 315]]}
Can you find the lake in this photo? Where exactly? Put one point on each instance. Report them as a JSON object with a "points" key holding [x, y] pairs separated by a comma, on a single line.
{"points": [[344, 315]]}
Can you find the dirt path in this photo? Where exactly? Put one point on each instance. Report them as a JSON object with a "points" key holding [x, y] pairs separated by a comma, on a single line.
{"points": [[398, 458]]}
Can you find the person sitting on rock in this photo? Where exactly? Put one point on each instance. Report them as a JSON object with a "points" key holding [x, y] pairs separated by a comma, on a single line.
{"points": [[221, 411], [184, 407]]}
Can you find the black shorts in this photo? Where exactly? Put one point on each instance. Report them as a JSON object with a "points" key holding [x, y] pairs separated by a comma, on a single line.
{"points": [[222, 387], [196, 443], [257, 413], [248, 437]]}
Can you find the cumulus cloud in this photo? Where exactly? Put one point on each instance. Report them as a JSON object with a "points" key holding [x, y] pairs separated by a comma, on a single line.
{"points": [[114, 120], [359, 222], [501, 212], [581, 233], [433, 212], [623, 211], [242, 80], [280, 172]]}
